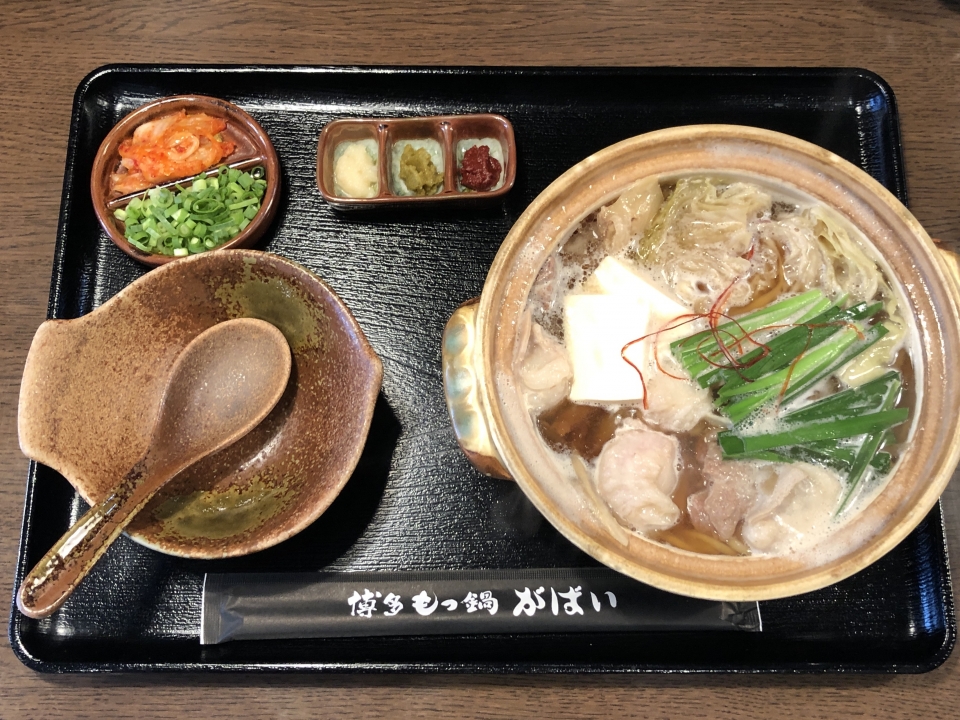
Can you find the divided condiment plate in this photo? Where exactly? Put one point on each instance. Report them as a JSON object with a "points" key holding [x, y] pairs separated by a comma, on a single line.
{"points": [[447, 138]]}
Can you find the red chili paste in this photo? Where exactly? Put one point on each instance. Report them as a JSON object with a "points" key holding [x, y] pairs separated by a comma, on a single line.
{"points": [[479, 171]]}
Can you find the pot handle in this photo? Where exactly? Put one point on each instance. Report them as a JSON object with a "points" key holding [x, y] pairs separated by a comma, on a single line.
{"points": [[461, 383]]}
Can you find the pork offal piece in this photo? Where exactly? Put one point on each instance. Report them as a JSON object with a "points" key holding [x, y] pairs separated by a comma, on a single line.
{"points": [[636, 475], [729, 495], [797, 506], [542, 366]]}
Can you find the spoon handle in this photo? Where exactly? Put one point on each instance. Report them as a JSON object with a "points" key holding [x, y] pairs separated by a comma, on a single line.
{"points": [[62, 569]]}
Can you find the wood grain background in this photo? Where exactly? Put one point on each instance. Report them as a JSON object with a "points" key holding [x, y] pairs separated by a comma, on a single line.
{"points": [[48, 47]]}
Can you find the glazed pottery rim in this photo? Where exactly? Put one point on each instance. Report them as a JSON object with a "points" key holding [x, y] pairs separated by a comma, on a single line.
{"points": [[514, 252], [107, 153]]}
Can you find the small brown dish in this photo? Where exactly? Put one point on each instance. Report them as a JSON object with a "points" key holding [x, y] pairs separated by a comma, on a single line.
{"points": [[253, 148], [444, 137], [91, 386]]}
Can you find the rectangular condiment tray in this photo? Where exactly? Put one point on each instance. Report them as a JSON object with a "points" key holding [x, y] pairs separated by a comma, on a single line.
{"points": [[451, 134], [415, 503]]}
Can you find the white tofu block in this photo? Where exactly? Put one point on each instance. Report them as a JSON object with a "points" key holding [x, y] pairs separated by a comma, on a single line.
{"points": [[596, 327], [617, 277]]}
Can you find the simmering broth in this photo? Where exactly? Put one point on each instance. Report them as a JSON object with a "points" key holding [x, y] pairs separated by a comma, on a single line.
{"points": [[782, 415]]}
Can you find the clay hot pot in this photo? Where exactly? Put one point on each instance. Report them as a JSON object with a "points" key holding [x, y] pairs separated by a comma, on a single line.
{"points": [[500, 438]]}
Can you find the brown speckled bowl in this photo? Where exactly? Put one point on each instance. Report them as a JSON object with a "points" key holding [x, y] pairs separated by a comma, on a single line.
{"points": [[91, 385], [253, 148]]}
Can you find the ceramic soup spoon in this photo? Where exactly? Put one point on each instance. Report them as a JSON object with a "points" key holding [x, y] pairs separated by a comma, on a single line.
{"points": [[220, 387]]}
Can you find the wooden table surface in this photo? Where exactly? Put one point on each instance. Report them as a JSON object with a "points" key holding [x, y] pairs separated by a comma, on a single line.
{"points": [[48, 47]]}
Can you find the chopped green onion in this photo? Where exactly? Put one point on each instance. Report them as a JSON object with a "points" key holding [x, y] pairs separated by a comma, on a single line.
{"points": [[828, 453], [210, 210], [787, 346], [810, 369], [207, 206], [872, 444]]}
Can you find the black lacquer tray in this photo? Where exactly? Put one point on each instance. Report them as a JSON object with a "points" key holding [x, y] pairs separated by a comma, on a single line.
{"points": [[414, 502]]}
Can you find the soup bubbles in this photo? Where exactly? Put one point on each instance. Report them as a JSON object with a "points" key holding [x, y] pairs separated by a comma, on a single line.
{"points": [[725, 366]]}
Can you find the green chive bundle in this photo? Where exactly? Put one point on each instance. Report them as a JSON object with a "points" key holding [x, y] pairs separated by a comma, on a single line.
{"points": [[845, 430], [213, 209]]}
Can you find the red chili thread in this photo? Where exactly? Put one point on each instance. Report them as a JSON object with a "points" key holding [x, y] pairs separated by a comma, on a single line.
{"points": [[793, 365], [718, 335], [713, 316], [623, 350], [643, 383], [810, 327]]}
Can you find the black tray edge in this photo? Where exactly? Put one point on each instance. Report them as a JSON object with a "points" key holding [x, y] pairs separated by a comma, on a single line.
{"points": [[841, 71], [55, 667], [949, 607]]}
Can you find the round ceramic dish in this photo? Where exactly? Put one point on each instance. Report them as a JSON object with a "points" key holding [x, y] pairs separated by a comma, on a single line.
{"points": [[92, 385], [499, 436], [253, 148]]}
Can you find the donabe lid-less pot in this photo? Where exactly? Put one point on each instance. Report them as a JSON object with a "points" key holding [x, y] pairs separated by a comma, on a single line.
{"points": [[932, 296]]}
